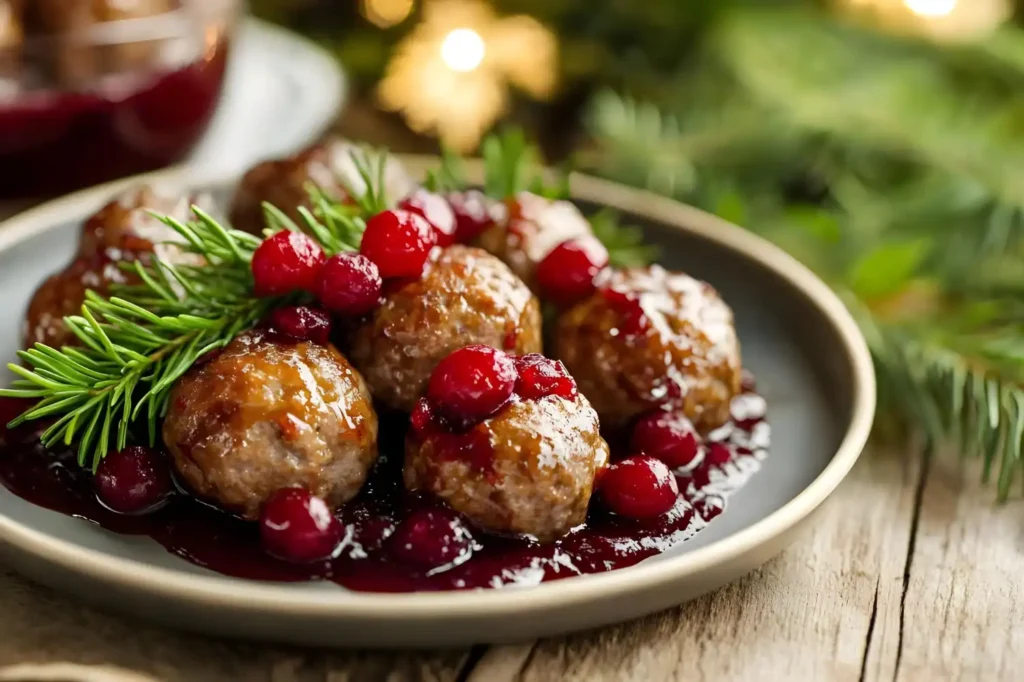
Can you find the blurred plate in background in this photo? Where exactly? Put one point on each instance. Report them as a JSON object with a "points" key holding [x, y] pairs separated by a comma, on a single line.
{"points": [[282, 92]]}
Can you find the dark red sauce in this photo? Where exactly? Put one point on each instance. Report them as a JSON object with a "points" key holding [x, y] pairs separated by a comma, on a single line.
{"points": [[210, 538], [55, 141]]}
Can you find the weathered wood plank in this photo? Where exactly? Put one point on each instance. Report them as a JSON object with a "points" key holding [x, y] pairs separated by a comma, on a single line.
{"points": [[38, 625], [808, 615], [964, 605]]}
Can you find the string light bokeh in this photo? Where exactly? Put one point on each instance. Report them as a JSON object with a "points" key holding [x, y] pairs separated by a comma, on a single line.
{"points": [[942, 20], [450, 76]]}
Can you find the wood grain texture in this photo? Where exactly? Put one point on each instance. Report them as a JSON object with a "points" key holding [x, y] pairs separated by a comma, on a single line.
{"points": [[38, 625], [817, 612], [964, 605]]}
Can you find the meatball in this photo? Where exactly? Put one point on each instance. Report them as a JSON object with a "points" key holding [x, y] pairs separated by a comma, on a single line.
{"points": [[464, 297], [650, 337], [529, 469], [266, 414], [282, 182], [533, 227], [123, 230]]}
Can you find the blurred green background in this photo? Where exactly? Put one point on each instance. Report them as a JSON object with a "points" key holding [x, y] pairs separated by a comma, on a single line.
{"points": [[879, 141]]}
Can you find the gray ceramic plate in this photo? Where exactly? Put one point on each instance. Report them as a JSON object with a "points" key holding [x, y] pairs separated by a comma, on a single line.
{"points": [[810, 360]]}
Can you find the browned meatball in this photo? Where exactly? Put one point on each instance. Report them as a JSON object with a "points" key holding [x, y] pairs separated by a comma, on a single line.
{"points": [[122, 230], [650, 337], [125, 226], [268, 414], [529, 469], [282, 182], [533, 227], [465, 296]]}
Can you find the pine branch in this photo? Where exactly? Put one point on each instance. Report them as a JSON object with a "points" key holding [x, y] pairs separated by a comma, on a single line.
{"points": [[137, 343], [923, 240]]}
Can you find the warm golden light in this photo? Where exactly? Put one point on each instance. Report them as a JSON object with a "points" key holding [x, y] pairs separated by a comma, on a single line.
{"points": [[931, 8], [386, 13], [463, 50], [450, 75]]}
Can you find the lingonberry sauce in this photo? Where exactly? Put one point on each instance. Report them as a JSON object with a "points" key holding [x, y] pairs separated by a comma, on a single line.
{"points": [[52, 142], [368, 561]]}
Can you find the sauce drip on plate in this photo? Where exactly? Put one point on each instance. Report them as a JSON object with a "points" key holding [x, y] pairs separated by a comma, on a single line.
{"points": [[210, 538]]}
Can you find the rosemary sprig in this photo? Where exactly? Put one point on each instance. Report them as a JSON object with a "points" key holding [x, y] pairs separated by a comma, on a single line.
{"points": [[137, 343]]}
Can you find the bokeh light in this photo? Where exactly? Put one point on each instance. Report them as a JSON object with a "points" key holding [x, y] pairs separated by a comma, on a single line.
{"points": [[931, 8], [463, 50]]}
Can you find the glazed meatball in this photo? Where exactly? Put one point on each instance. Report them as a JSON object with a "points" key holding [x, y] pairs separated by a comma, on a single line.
{"points": [[267, 414], [282, 182], [123, 230], [650, 337], [464, 297], [529, 469], [532, 228]]}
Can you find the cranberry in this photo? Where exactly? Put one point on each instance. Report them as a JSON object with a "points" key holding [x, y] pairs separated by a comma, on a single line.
{"points": [[436, 211], [302, 322], [431, 538], [718, 454], [422, 417], [540, 376], [566, 275], [398, 242], [639, 487], [474, 213], [349, 284], [133, 480], [634, 320], [286, 262], [668, 436], [299, 527], [472, 383]]}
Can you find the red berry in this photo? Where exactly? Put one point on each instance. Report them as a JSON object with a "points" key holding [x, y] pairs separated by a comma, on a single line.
{"points": [[422, 417], [540, 376], [299, 527], [286, 262], [718, 454], [640, 487], [436, 211], [398, 242], [303, 323], [472, 383], [668, 436], [349, 284], [431, 538], [133, 480], [566, 275], [634, 321], [474, 213]]}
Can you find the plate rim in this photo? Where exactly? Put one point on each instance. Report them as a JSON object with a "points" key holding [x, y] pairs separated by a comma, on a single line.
{"points": [[271, 598]]}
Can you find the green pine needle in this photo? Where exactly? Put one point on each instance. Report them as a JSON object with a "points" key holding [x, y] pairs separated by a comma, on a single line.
{"points": [[141, 340]]}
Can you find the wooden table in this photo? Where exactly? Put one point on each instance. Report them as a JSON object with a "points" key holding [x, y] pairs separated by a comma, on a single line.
{"points": [[910, 572]]}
